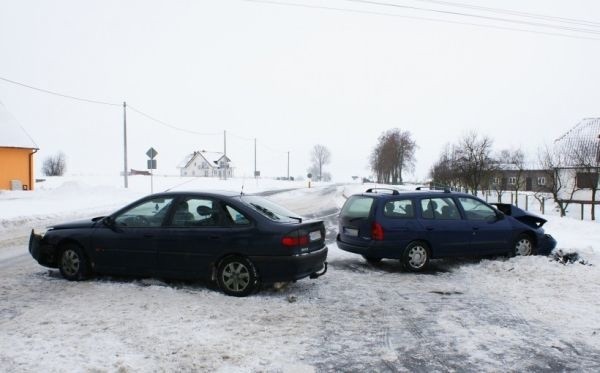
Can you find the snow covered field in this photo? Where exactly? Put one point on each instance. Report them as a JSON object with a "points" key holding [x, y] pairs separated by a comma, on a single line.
{"points": [[518, 314]]}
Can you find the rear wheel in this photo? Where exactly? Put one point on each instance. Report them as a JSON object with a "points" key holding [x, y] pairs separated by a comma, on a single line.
{"points": [[524, 245], [73, 264], [415, 256], [237, 276], [372, 260]]}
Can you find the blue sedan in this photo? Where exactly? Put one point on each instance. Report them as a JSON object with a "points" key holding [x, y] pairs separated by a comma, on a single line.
{"points": [[238, 241]]}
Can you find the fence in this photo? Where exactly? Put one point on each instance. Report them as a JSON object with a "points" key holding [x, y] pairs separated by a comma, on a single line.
{"points": [[542, 203]]}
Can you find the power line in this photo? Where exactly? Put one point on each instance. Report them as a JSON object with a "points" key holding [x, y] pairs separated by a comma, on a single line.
{"points": [[418, 18], [60, 94], [170, 125], [574, 21], [447, 12]]}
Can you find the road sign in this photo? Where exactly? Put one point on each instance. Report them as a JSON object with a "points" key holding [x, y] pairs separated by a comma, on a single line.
{"points": [[151, 153], [152, 164]]}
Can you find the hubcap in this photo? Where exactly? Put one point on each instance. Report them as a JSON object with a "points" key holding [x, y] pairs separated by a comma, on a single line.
{"points": [[70, 262], [417, 256], [523, 247], [236, 276]]}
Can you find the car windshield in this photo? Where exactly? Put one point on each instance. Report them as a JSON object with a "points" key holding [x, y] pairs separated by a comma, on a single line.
{"points": [[271, 210]]}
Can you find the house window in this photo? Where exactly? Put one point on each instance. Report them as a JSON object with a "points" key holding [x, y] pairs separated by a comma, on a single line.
{"points": [[512, 180], [587, 180], [541, 180], [497, 180]]}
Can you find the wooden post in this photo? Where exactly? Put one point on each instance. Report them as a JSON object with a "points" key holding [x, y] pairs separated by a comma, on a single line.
{"points": [[543, 205], [512, 202], [526, 202], [582, 211]]}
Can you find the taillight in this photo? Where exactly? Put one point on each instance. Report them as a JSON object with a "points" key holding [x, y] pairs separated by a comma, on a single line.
{"points": [[377, 231], [289, 241]]}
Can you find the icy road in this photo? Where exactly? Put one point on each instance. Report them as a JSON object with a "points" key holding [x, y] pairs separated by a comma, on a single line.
{"points": [[523, 314]]}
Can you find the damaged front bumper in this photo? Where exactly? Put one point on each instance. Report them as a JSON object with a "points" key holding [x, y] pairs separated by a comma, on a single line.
{"points": [[40, 250]]}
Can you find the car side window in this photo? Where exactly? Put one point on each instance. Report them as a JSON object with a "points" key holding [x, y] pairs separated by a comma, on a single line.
{"points": [[196, 212], [477, 210], [147, 214], [236, 217], [402, 208], [439, 208]]}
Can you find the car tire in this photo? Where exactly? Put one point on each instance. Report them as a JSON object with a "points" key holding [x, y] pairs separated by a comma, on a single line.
{"points": [[73, 264], [523, 246], [415, 256], [237, 276], [371, 259]]}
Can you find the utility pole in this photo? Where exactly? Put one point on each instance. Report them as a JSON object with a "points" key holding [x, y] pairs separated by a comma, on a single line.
{"points": [[255, 176], [125, 144], [226, 164], [288, 172]]}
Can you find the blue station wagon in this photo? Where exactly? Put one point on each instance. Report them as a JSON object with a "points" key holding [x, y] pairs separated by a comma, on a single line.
{"points": [[422, 225]]}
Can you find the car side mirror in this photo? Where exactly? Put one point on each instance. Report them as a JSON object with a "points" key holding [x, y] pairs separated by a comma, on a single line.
{"points": [[109, 222], [499, 215]]}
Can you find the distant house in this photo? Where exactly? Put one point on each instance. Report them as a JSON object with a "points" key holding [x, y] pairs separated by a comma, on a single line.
{"points": [[581, 144], [206, 164], [16, 154], [531, 179]]}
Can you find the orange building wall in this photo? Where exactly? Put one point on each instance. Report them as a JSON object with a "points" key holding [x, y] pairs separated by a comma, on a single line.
{"points": [[15, 165]]}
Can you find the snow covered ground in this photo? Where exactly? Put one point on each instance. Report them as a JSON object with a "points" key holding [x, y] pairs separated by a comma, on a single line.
{"points": [[518, 314]]}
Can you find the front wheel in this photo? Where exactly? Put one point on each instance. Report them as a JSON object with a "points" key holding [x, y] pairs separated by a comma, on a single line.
{"points": [[73, 264], [415, 256], [237, 276], [523, 245]]}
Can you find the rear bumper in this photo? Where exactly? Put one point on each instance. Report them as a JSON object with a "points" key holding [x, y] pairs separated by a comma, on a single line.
{"points": [[290, 268], [370, 249]]}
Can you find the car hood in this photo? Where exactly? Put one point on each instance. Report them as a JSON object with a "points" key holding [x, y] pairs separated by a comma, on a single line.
{"points": [[87, 223], [524, 217]]}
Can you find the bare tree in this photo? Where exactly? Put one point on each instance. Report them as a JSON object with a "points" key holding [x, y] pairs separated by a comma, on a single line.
{"points": [[472, 160], [55, 165], [551, 161], [443, 172], [585, 155], [320, 156], [393, 154]]}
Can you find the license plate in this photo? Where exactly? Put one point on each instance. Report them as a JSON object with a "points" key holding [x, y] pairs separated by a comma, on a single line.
{"points": [[315, 235], [351, 232]]}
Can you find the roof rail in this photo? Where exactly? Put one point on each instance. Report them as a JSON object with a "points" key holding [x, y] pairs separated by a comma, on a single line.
{"points": [[437, 189], [374, 190]]}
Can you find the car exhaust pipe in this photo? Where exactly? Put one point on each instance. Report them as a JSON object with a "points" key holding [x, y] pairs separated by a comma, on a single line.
{"points": [[316, 274]]}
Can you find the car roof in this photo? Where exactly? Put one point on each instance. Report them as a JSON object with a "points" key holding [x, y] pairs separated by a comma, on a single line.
{"points": [[207, 193], [413, 194]]}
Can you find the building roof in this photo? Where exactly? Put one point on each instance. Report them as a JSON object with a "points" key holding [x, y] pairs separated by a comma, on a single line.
{"points": [[583, 138], [211, 157], [12, 134]]}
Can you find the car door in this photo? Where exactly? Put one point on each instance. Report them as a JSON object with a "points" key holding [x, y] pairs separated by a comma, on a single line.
{"points": [[194, 237], [446, 230], [491, 233], [126, 243]]}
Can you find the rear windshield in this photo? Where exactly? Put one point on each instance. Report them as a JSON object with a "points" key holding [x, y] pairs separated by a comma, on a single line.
{"points": [[357, 207], [271, 210]]}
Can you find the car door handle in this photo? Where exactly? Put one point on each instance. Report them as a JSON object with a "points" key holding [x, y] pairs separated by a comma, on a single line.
{"points": [[475, 228], [429, 228], [214, 237], [148, 235]]}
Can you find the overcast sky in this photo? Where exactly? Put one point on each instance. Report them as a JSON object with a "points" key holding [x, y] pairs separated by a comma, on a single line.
{"points": [[292, 77]]}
